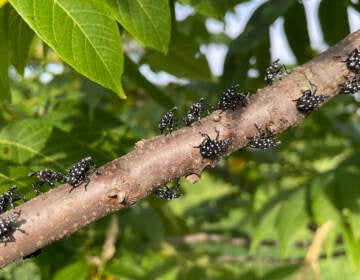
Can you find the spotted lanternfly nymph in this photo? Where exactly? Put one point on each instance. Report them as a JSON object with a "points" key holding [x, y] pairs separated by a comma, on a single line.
{"points": [[353, 61], [350, 86], [195, 112], [78, 174], [308, 102], [167, 121], [275, 70], [169, 193], [213, 148], [9, 197], [263, 141], [46, 176], [8, 226], [230, 99]]}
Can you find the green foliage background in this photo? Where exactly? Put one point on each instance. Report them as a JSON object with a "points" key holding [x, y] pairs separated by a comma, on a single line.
{"points": [[273, 200]]}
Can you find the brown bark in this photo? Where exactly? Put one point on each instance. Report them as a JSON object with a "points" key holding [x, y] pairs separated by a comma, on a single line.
{"points": [[158, 160]]}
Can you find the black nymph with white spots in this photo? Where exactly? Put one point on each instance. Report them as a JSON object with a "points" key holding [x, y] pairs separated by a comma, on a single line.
{"points": [[213, 148], [308, 102], [350, 86], [169, 193], [46, 176], [275, 70], [78, 174], [167, 121], [230, 99], [8, 226], [353, 61], [262, 141], [195, 111], [9, 197]]}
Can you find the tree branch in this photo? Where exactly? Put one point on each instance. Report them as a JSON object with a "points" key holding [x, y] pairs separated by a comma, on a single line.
{"points": [[156, 161]]}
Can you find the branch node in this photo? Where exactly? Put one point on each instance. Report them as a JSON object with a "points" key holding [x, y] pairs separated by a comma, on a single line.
{"points": [[217, 117], [193, 178], [115, 196], [139, 144]]}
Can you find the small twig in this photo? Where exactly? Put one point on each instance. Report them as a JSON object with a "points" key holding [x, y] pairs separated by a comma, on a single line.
{"points": [[247, 259], [109, 247], [313, 253], [205, 237]]}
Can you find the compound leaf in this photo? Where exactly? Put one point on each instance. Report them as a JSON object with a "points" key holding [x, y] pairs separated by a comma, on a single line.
{"points": [[82, 33]]}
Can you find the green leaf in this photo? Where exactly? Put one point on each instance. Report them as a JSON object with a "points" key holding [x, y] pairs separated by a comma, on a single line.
{"points": [[282, 272], [236, 68], [347, 195], [213, 8], [20, 39], [297, 33], [337, 268], [132, 70], [82, 33], [292, 217], [35, 140], [265, 227], [4, 59], [263, 59], [126, 267], [334, 20], [195, 26], [255, 31], [149, 223], [258, 25], [25, 270], [323, 206], [76, 271], [147, 20], [22, 140], [335, 198], [183, 59], [267, 217], [352, 245]]}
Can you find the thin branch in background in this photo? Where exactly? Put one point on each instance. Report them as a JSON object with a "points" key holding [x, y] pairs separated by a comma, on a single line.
{"points": [[293, 260], [206, 237], [313, 253], [109, 248], [195, 238]]}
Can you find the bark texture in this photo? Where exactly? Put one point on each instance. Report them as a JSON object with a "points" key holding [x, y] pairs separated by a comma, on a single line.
{"points": [[158, 160]]}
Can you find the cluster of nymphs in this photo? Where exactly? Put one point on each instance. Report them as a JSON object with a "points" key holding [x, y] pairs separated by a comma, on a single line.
{"points": [[230, 99], [352, 82], [77, 175], [214, 148]]}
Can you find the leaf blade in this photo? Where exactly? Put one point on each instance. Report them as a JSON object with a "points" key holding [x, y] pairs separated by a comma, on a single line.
{"points": [[296, 31], [292, 217], [333, 25], [183, 59], [20, 39], [213, 8], [4, 59], [65, 26], [146, 20]]}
